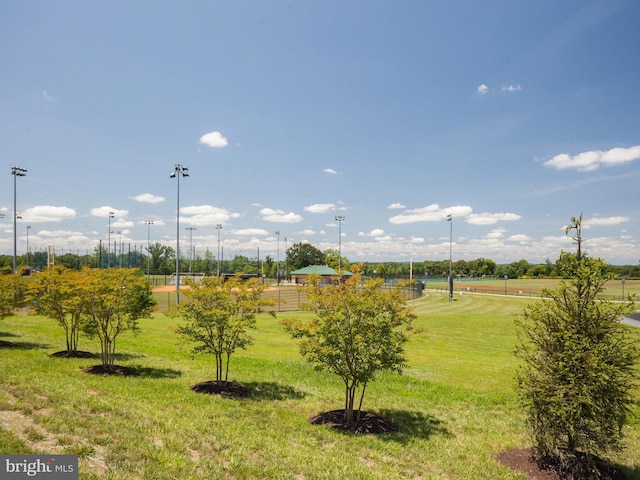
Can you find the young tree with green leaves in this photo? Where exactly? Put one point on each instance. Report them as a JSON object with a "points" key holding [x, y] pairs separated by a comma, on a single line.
{"points": [[58, 294], [355, 334], [578, 369], [114, 300], [300, 255], [220, 314]]}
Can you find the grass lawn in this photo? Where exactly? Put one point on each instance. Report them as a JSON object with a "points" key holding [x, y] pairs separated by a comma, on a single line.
{"points": [[455, 404]]}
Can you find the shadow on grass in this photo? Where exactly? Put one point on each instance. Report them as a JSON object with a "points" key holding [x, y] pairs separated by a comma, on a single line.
{"points": [[414, 424], [7, 334], [272, 391], [23, 345], [630, 472], [151, 372]]}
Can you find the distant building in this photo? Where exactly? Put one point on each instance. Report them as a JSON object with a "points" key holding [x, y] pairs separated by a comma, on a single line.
{"points": [[327, 274]]}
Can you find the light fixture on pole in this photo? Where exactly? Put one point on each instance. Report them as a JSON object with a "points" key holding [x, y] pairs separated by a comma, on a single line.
{"points": [[148, 223], [450, 219], [191, 229], [111, 215], [179, 171], [16, 172], [340, 219], [218, 228], [278, 259]]}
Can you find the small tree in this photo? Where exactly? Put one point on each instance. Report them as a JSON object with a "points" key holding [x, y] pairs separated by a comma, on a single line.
{"points": [[221, 313], [578, 373], [355, 333], [57, 293], [114, 300]]}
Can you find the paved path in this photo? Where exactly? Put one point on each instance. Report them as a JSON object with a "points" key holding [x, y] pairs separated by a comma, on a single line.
{"points": [[633, 320]]}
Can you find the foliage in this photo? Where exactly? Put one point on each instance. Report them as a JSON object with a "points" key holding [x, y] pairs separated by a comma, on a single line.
{"points": [[331, 257], [578, 373], [300, 255], [114, 300], [354, 334], [58, 294], [220, 314], [11, 293]]}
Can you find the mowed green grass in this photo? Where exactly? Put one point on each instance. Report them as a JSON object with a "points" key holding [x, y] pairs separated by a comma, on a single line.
{"points": [[455, 404]]}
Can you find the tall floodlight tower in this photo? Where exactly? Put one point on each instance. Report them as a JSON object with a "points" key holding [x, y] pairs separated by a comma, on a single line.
{"points": [[218, 228], [450, 220], [179, 171], [16, 172], [340, 219]]}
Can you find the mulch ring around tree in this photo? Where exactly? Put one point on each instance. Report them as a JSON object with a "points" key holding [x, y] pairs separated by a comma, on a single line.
{"points": [[522, 460], [226, 389], [72, 354], [367, 423], [111, 370]]}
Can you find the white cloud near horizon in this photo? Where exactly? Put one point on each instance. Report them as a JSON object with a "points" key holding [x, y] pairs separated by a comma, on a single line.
{"points": [[604, 221], [320, 208], [47, 213], [206, 215], [330, 171], [376, 232], [430, 213], [271, 215], [249, 231], [214, 140], [487, 218], [148, 198], [105, 210], [594, 159]]}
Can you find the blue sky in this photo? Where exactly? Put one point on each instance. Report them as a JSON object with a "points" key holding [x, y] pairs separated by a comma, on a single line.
{"points": [[510, 116]]}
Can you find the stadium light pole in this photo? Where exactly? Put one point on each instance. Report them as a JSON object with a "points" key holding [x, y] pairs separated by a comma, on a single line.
{"points": [[278, 259], [450, 219], [340, 219], [16, 172], [218, 228], [191, 229], [111, 215], [148, 223], [179, 171], [28, 228]]}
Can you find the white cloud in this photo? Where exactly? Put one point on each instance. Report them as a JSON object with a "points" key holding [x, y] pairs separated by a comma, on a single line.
{"points": [[592, 160], [250, 231], [490, 218], [148, 198], [330, 171], [520, 237], [320, 208], [47, 213], [511, 88], [396, 206], [214, 140], [430, 213], [206, 215], [483, 89], [307, 231], [606, 221], [496, 233], [47, 97], [271, 215], [104, 211]]}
